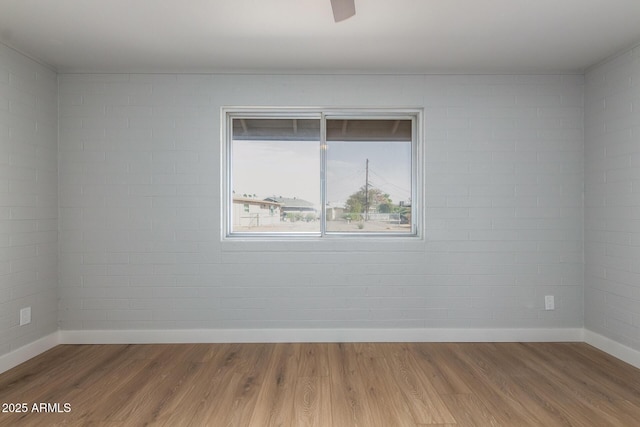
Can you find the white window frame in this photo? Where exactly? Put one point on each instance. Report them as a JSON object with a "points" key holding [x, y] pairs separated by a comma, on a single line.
{"points": [[321, 114]]}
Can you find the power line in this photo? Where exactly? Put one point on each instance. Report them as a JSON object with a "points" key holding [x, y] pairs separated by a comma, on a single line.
{"points": [[391, 184]]}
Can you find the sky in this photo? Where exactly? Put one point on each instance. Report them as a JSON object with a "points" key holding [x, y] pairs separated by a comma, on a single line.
{"points": [[277, 168], [292, 169]]}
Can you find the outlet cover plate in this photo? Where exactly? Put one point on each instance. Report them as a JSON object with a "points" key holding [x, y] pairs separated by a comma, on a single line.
{"points": [[549, 302], [25, 316]]}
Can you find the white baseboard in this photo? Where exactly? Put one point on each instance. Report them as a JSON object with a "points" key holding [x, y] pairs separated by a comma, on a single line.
{"points": [[318, 335], [31, 350], [614, 348], [22, 354]]}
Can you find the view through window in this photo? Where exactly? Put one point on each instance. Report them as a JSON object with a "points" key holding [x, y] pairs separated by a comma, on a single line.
{"points": [[321, 175]]}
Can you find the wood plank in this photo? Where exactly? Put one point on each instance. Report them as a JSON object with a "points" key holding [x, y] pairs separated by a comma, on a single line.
{"points": [[201, 398], [502, 406], [341, 384], [243, 396], [312, 400], [275, 400], [423, 400], [469, 411], [231, 367], [79, 361], [445, 377], [510, 378], [385, 400], [312, 359], [349, 402], [560, 388]]}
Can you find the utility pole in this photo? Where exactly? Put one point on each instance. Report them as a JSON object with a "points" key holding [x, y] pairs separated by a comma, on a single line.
{"points": [[366, 191]]}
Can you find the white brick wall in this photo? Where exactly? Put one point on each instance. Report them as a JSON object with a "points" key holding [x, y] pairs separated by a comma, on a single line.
{"points": [[140, 217], [612, 204], [28, 199]]}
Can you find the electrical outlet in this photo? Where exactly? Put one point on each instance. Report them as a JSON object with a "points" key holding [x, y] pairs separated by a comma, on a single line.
{"points": [[25, 316], [549, 302]]}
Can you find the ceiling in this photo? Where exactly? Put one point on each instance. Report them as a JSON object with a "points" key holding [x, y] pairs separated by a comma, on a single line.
{"points": [[272, 36]]}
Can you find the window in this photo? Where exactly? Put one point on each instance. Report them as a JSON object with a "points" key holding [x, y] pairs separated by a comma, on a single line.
{"points": [[320, 173]]}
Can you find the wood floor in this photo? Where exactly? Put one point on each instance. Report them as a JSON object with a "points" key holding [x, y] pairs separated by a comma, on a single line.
{"points": [[405, 384]]}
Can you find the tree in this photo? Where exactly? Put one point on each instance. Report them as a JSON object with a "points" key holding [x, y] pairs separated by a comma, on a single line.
{"points": [[377, 201]]}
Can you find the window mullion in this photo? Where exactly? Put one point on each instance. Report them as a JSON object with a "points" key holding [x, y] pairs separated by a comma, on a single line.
{"points": [[323, 175]]}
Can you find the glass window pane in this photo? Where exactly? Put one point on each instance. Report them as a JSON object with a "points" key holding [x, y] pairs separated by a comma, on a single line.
{"points": [[369, 184], [276, 174]]}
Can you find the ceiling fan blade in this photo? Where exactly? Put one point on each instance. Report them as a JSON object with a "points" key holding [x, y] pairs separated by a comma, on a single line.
{"points": [[343, 9]]}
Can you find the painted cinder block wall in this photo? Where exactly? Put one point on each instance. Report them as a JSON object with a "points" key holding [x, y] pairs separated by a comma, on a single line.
{"points": [[139, 206], [612, 202], [140, 244], [28, 199]]}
